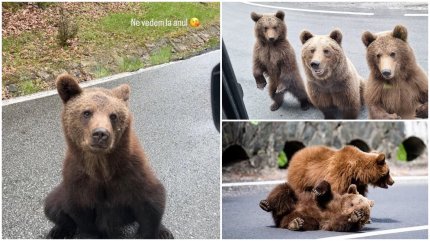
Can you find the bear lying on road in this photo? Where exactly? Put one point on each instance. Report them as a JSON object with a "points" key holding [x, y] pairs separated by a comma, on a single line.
{"points": [[397, 87], [340, 168], [107, 180], [319, 209], [332, 80], [274, 55]]}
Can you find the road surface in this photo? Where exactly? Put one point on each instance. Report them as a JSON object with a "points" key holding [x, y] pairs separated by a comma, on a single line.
{"points": [[400, 212], [238, 35], [173, 120]]}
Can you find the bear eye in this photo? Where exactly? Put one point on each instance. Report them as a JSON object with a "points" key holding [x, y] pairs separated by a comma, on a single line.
{"points": [[86, 114], [352, 205], [265, 28], [378, 56], [312, 51], [274, 28], [393, 54], [113, 117], [326, 51]]}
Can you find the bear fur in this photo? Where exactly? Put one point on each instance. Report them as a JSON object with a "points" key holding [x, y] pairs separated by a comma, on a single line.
{"points": [[275, 57], [333, 83], [319, 209], [397, 87], [340, 168], [107, 180]]}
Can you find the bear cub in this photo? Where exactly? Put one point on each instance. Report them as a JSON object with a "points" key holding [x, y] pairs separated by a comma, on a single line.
{"points": [[333, 83], [340, 168], [107, 180], [274, 56], [319, 209], [397, 87]]}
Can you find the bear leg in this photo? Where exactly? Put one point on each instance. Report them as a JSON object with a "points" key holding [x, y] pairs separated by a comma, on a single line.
{"points": [[297, 88], [259, 77], [329, 112], [264, 204], [278, 99], [323, 194], [64, 227], [165, 233]]}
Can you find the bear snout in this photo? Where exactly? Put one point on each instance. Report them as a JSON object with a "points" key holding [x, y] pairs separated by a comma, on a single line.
{"points": [[315, 64], [100, 137], [386, 73]]}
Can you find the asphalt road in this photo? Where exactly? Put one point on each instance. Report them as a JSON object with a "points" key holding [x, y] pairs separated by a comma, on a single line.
{"points": [[403, 205], [238, 36], [173, 119]]}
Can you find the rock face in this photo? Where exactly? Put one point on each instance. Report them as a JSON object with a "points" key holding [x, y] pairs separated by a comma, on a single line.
{"points": [[263, 141]]}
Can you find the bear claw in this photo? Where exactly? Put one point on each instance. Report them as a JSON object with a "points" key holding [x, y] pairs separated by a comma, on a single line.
{"points": [[275, 106], [264, 204], [261, 85], [296, 224]]}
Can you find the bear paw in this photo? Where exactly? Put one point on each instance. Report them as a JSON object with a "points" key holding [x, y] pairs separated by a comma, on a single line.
{"points": [[356, 216], [296, 224], [261, 85], [275, 106], [264, 204]]}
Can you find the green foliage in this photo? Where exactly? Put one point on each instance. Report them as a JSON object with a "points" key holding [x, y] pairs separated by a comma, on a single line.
{"points": [[161, 56], [67, 29], [130, 64], [401, 153], [101, 71], [282, 159], [254, 123], [29, 87]]}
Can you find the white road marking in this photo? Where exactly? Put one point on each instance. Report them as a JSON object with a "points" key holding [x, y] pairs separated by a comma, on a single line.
{"points": [[415, 15], [375, 233], [398, 179], [309, 10]]}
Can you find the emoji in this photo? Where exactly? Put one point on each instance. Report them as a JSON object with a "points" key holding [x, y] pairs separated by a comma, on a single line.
{"points": [[194, 22]]}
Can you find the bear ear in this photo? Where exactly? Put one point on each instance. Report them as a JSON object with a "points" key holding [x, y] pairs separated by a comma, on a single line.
{"points": [[367, 38], [371, 203], [305, 35], [352, 189], [122, 92], [280, 14], [67, 87], [400, 32], [336, 35], [255, 16]]}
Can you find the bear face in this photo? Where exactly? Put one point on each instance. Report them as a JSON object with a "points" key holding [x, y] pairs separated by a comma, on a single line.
{"points": [[356, 206], [103, 115], [387, 52], [365, 163], [321, 53], [269, 28]]}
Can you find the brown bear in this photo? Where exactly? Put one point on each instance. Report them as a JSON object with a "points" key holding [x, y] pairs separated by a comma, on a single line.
{"points": [[107, 179], [319, 209], [275, 57], [333, 83], [397, 87], [340, 168]]}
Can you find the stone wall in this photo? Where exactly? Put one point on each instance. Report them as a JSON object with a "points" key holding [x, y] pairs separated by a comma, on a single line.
{"points": [[262, 141]]}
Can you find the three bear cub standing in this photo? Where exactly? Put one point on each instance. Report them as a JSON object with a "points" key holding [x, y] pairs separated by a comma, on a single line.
{"points": [[107, 180], [397, 87]]}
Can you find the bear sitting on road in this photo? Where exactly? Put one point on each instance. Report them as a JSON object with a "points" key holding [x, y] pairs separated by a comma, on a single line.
{"points": [[397, 87], [274, 56], [319, 209], [107, 180]]}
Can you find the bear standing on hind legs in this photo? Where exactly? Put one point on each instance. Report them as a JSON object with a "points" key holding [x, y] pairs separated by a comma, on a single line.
{"points": [[397, 87], [107, 180], [274, 56]]}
